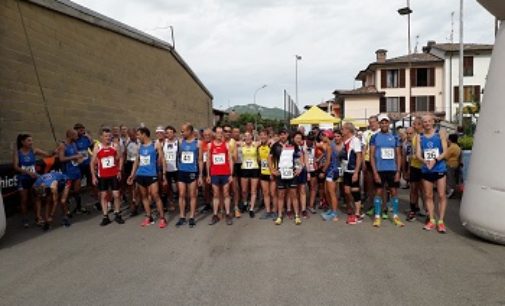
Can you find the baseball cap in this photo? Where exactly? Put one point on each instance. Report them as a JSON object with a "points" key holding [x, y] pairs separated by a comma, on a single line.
{"points": [[78, 126], [160, 129], [383, 117], [329, 134], [283, 131]]}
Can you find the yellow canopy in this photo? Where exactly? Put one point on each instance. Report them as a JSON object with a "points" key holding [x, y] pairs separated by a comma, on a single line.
{"points": [[359, 123], [314, 116]]}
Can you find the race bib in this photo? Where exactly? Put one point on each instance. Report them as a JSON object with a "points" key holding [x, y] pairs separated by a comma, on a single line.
{"points": [[187, 157], [170, 156], [264, 164], [85, 154], [145, 160], [74, 163], [219, 159], [343, 165], [340, 171], [248, 164], [311, 164], [30, 169], [108, 162], [431, 154], [387, 153], [286, 173], [205, 156]]}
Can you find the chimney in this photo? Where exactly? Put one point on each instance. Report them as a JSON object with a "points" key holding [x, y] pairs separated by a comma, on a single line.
{"points": [[429, 45], [381, 55]]}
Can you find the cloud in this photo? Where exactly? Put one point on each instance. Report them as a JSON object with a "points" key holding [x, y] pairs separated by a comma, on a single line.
{"points": [[237, 46]]}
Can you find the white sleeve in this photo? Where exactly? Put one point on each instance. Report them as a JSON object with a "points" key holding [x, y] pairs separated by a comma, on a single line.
{"points": [[356, 145]]}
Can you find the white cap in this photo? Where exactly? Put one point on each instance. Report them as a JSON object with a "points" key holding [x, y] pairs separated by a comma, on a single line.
{"points": [[160, 129], [383, 117]]}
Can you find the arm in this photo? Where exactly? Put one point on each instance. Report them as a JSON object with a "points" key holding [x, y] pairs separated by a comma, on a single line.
{"points": [[398, 157], [271, 165], [15, 163], [443, 137], [120, 157], [373, 164], [200, 160], [328, 159], [42, 153], [230, 160], [419, 156], [92, 166], [63, 158], [162, 161]]}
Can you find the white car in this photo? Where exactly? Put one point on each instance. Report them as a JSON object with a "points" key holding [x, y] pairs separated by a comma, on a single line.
{"points": [[3, 221]]}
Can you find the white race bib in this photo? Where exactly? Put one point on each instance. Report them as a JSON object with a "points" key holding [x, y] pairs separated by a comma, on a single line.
{"points": [[248, 164], [311, 164], [340, 171], [387, 153], [218, 159], [30, 169], [187, 157], [170, 156], [286, 173], [431, 154], [145, 160], [108, 162], [264, 164]]}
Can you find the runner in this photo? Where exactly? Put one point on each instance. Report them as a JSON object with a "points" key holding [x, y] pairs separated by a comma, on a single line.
{"points": [[190, 174], [385, 159], [83, 143], [373, 128], [282, 166], [171, 151], [108, 159], [268, 187], [23, 162], [219, 169], [321, 150], [53, 189], [160, 140], [431, 151], [132, 152], [145, 175], [301, 162], [204, 147], [237, 169], [312, 169], [352, 166], [331, 170], [453, 158], [249, 172], [414, 174], [70, 157]]}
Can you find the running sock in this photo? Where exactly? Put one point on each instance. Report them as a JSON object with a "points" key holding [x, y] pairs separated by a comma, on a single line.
{"points": [[377, 203], [396, 205]]}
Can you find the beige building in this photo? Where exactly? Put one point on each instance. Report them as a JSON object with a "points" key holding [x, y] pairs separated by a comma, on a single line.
{"points": [[62, 63]]}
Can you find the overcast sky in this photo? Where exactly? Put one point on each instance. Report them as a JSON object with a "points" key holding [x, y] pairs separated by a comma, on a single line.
{"points": [[236, 46]]}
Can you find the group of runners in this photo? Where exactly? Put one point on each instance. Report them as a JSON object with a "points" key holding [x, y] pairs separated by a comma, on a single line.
{"points": [[286, 171]]}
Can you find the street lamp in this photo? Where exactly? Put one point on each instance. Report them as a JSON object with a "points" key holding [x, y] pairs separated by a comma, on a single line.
{"points": [[254, 99], [407, 11], [297, 58]]}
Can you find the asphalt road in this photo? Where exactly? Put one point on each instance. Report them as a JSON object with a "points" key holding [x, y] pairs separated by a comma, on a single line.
{"points": [[252, 262]]}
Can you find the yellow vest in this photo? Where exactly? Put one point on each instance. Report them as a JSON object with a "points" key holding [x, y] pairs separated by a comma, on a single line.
{"points": [[264, 151], [414, 162], [249, 157]]}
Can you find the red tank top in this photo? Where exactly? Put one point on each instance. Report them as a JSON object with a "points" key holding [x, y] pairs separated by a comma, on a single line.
{"points": [[219, 159], [107, 163]]}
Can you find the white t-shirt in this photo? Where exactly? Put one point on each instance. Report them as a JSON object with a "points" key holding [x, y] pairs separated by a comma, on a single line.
{"points": [[352, 146]]}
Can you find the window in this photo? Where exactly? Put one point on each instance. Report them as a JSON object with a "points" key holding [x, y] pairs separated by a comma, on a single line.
{"points": [[392, 105], [422, 104], [423, 77], [392, 78], [468, 66], [470, 94]]}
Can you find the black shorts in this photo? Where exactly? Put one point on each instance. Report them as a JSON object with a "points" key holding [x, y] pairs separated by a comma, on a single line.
{"points": [[302, 178], [172, 177], [285, 184], [146, 181], [433, 176], [264, 177], [204, 170], [237, 169], [187, 177], [106, 183], [415, 174], [320, 179], [348, 180], [387, 179], [250, 173], [127, 168]]}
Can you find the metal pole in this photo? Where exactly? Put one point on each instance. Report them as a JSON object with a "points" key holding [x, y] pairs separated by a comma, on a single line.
{"points": [[254, 99], [296, 78], [461, 91], [408, 16]]}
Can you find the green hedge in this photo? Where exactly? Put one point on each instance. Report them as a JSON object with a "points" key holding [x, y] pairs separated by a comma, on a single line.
{"points": [[465, 142]]}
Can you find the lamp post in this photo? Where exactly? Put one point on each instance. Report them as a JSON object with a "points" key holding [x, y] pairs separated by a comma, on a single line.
{"points": [[407, 11], [297, 58], [461, 57], [254, 99]]}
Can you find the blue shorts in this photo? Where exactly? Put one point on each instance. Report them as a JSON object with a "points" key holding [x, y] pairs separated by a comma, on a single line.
{"points": [[332, 175], [219, 180], [186, 177]]}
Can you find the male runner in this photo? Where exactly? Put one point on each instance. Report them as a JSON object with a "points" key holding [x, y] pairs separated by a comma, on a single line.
{"points": [[53, 188], [70, 157], [373, 124], [352, 166], [171, 151]]}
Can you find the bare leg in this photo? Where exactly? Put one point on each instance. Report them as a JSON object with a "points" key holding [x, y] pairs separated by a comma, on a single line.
{"points": [[192, 199], [155, 194], [182, 199], [254, 191], [442, 198]]}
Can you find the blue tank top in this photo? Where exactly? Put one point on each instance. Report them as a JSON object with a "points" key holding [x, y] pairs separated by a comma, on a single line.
{"points": [[83, 144], [188, 156], [147, 160], [26, 162], [71, 168], [334, 160], [48, 178], [431, 148], [385, 151]]}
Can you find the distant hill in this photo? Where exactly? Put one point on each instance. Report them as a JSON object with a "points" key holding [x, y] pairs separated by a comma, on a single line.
{"points": [[266, 112]]}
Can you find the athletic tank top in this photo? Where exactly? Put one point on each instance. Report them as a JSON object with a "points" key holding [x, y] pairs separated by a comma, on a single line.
{"points": [[26, 162], [170, 149], [219, 157], [263, 152], [431, 149], [334, 159], [107, 162], [414, 162], [249, 157], [132, 150], [239, 152], [286, 162], [72, 169], [147, 160], [83, 144], [188, 156]]}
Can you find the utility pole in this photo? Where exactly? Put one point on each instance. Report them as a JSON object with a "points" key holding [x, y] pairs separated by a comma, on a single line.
{"points": [[461, 57], [297, 58]]}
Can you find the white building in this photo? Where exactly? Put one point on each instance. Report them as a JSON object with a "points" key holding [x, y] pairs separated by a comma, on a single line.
{"points": [[475, 68]]}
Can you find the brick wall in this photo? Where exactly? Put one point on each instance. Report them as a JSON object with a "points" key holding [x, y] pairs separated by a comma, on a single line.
{"points": [[89, 75]]}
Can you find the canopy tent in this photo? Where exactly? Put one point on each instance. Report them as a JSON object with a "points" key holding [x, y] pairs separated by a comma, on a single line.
{"points": [[359, 123], [314, 116]]}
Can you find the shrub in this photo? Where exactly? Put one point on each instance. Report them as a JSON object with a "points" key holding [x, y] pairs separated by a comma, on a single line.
{"points": [[465, 142]]}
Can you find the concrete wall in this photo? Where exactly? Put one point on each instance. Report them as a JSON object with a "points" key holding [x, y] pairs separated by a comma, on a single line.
{"points": [[88, 74], [361, 107]]}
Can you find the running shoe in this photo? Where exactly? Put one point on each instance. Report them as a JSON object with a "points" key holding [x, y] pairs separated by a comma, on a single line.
{"points": [[191, 223], [163, 223], [242, 207], [377, 222], [25, 223], [181, 222], [278, 221], [370, 212], [298, 220], [237, 213], [441, 227], [105, 221], [411, 216], [429, 226], [205, 208], [330, 214], [147, 221], [266, 216], [385, 215], [305, 214], [229, 220], [65, 222], [118, 219], [251, 213], [351, 219], [134, 213], [427, 220], [360, 218], [312, 210], [289, 213], [45, 226], [398, 222], [214, 220]]}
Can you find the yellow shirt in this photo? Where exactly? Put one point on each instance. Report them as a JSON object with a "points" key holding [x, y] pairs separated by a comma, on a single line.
{"points": [[366, 142], [414, 162], [249, 157], [264, 151], [452, 155]]}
